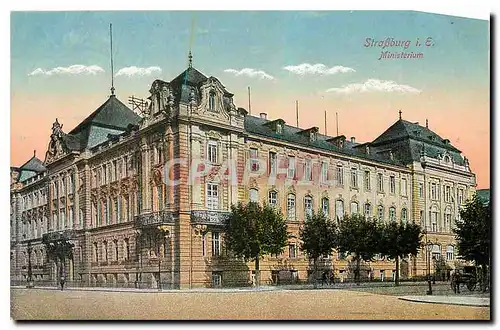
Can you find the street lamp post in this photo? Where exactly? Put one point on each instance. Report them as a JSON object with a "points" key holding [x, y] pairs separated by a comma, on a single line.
{"points": [[30, 273], [428, 245]]}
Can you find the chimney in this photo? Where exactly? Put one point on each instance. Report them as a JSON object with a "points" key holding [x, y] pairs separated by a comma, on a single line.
{"points": [[353, 139], [263, 115]]}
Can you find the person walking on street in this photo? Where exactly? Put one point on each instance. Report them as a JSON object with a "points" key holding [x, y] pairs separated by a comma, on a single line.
{"points": [[62, 282]]}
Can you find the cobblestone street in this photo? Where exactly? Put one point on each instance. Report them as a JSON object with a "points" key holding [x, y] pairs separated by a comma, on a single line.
{"points": [[37, 304]]}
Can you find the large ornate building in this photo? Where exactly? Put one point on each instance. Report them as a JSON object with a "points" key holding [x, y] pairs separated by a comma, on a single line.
{"points": [[142, 197]]}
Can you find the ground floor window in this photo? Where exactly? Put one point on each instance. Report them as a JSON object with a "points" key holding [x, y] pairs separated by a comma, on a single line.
{"points": [[382, 275], [216, 279]]}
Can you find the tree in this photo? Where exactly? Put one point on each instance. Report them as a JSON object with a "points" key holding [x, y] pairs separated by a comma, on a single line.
{"points": [[472, 234], [400, 240], [359, 237], [252, 230], [319, 237], [58, 250]]}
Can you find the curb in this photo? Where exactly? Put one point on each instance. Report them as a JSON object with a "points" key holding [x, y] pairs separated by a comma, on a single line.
{"points": [[425, 301]]}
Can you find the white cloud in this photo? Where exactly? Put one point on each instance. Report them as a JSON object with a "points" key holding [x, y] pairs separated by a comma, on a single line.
{"points": [[318, 68], [374, 85], [135, 71], [70, 70], [252, 73]]}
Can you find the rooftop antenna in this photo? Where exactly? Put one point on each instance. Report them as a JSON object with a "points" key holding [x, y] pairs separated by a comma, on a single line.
{"points": [[337, 121], [297, 111], [326, 131], [191, 41], [249, 105], [112, 69]]}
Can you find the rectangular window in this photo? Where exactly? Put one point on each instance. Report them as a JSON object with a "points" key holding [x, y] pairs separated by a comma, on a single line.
{"points": [[115, 170], [159, 196], [354, 178], [324, 172], [325, 206], [254, 162], [216, 279], [340, 175], [291, 168], [392, 214], [116, 210], [420, 190], [433, 191], [368, 211], [367, 180], [308, 170], [339, 209], [380, 212], [272, 163], [291, 207], [392, 184], [380, 181], [292, 251], [447, 193], [308, 206], [212, 151], [215, 244], [403, 187], [212, 196], [354, 208], [125, 165]]}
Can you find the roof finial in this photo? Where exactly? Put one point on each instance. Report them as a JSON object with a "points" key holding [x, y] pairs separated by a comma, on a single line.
{"points": [[400, 112], [426, 123], [190, 57], [34, 153]]}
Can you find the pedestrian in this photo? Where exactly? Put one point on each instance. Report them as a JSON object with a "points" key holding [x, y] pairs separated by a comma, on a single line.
{"points": [[62, 282]]}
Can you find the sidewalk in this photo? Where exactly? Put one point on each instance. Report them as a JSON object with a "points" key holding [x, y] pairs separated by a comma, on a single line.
{"points": [[450, 300]]}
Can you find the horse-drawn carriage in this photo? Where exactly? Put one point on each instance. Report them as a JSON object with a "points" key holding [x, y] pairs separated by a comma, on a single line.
{"points": [[467, 276]]}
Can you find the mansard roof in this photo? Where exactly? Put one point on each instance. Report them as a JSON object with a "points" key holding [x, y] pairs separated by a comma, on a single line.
{"points": [[30, 169], [260, 126], [112, 117], [190, 76], [409, 140]]}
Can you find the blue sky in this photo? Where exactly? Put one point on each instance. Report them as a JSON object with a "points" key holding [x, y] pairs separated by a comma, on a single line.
{"points": [[264, 40], [318, 58]]}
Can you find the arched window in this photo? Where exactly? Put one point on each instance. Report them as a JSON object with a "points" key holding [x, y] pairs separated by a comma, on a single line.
{"points": [[354, 208], [308, 206], [392, 214], [273, 198], [325, 206], [404, 215], [105, 251], [339, 209], [96, 253], [254, 195], [211, 101], [290, 207], [447, 219], [368, 210], [115, 250], [450, 255], [126, 249]]}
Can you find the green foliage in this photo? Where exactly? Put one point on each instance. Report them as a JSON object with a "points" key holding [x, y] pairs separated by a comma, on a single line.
{"points": [[319, 236], [473, 232], [400, 239], [253, 230], [359, 237]]}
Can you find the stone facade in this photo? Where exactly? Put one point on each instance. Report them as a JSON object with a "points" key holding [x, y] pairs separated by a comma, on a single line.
{"points": [[143, 198]]}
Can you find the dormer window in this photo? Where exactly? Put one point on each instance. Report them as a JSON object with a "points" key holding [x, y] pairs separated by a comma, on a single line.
{"points": [[279, 129], [446, 159], [341, 144], [312, 136], [211, 101]]}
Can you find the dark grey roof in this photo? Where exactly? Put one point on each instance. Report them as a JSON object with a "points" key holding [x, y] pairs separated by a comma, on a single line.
{"points": [[34, 164], [261, 127], [30, 169], [190, 76], [112, 117], [484, 195], [408, 140]]}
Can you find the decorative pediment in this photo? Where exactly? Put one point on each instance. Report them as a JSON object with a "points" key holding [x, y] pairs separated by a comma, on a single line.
{"points": [[324, 194]]}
